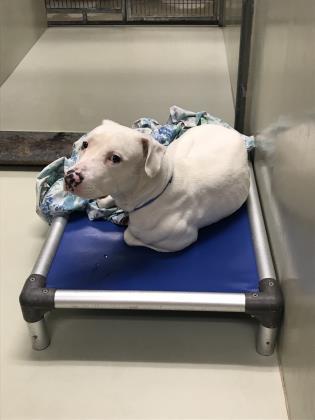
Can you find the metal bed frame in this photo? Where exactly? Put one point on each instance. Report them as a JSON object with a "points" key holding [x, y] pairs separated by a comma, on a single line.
{"points": [[266, 305]]}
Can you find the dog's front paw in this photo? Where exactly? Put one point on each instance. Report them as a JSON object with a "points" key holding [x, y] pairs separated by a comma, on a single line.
{"points": [[106, 202]]}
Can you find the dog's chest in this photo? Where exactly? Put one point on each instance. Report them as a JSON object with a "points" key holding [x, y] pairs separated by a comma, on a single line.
{"points": [[156, 219]]}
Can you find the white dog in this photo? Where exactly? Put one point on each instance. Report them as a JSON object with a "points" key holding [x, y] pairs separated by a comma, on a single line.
{"points": [[169, 192]]}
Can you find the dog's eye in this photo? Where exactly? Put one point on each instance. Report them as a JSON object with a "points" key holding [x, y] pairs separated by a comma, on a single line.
{"points": [[115, 159], [84, 145]]}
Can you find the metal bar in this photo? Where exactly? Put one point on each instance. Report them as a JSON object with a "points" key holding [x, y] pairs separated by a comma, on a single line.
{"points": [[221, 14], [50, 246], [260, 239], [215, 9], [266, 340], [174, 19], [243, 63], [39, 334], [84, 14], [124, 11], [128, 10], [77, 10], [135, 22], [179, 301]]}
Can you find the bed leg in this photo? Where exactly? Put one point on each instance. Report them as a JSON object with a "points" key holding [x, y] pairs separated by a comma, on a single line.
{"points": [[36, 300], [266, 306], [39, 334], [266, 340]]}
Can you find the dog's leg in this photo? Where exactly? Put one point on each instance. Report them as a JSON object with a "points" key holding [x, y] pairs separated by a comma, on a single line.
{"points": [[106, 202], [177, 242], [180, 241], [131, 240]]}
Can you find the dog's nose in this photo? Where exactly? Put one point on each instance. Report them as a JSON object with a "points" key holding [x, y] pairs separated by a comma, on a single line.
{"points": [[72, 179]]}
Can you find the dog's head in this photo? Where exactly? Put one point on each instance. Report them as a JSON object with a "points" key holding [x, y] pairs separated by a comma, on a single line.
{"points": [[112, 160]]}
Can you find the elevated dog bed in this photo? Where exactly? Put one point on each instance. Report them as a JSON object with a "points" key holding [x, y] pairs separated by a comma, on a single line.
{"points": [[87, 265]]}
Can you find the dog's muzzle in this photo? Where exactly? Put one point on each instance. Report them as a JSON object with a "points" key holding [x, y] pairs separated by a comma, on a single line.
{"points": [[73, 179]]}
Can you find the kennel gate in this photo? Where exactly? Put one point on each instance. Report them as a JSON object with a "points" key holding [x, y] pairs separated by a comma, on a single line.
{"points": [[88, 12]]}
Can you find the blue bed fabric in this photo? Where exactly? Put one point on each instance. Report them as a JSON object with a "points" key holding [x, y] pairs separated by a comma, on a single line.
{"points": [[93, 256]]}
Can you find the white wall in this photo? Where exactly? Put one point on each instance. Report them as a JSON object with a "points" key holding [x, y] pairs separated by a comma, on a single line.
{"points": [[281, 112], [21, 23]]}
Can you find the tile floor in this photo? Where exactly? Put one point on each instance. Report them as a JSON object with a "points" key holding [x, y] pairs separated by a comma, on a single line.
{"points": [[73, 78]]}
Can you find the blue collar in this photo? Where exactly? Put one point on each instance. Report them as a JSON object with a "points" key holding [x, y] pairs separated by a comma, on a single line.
{"points": [[152, 199]]}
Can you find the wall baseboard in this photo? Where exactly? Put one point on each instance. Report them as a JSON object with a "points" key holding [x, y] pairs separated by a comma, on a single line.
{"points": [[30, 148]]}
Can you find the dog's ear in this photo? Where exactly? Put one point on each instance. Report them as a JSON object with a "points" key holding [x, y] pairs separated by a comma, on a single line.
{"points": [[108, 122], [153, 153]]}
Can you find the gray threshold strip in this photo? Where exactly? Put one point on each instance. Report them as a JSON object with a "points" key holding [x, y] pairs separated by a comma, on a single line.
{"points": [[34, 148]]}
